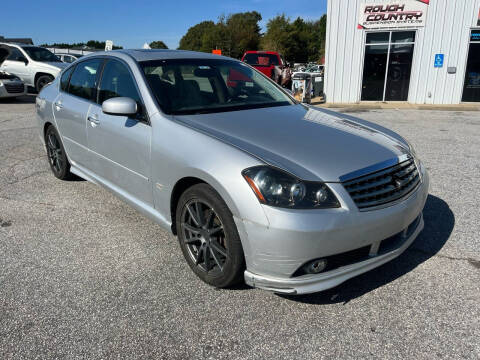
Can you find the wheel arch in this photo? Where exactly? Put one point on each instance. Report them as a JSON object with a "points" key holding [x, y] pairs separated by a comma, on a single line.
{"points": [[188, 181], [178, 189], [40, 73], [46, 126]]}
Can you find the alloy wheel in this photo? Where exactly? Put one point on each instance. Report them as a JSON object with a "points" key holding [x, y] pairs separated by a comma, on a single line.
{"points": [[55, 154], [42, 82], [204, 236]]}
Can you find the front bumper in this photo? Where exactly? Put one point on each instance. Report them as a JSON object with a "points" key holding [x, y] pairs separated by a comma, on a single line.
{"points": [[4, 93], [330, 279], [274, 253]]}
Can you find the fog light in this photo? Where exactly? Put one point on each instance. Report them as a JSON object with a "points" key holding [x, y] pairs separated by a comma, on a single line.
{"points": [[316, 266]]}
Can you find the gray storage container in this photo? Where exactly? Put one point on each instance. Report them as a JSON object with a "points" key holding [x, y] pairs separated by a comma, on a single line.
{"points": [[302, 87]]}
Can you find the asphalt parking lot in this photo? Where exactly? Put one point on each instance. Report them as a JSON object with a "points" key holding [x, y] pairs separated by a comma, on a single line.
{"points": [[84, 275]]}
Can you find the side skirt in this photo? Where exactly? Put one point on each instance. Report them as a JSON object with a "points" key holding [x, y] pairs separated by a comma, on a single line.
{"points": [[142, 207]]}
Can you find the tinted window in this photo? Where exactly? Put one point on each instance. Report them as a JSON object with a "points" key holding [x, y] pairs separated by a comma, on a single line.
{"points": [[261, 59], [15, 55], [41, 54], [83, 82], [378, 37], [64, 79], [403, 36], [117, 81]]}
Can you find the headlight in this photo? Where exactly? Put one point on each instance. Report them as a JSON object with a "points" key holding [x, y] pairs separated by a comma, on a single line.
{"points": [[277, 188]]}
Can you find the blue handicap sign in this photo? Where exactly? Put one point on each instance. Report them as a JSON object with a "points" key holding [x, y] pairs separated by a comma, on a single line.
{"points": [[439, 60]]}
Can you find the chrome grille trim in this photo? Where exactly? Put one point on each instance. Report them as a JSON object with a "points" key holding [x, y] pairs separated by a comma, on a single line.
{"points": [[384, 186]]}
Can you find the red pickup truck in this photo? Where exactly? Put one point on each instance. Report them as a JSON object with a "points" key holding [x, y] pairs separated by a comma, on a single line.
{"points": [[270, 63]]}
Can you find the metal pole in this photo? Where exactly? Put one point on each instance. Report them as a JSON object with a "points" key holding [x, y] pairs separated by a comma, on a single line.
{"points": [[388, 60]]}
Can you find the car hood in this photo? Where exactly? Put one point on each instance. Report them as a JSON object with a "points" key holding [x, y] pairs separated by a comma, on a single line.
{"points": [[313, 144]]}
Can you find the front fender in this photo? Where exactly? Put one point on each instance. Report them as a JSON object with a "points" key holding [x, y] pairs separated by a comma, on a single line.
{"points": [[179, 151]]}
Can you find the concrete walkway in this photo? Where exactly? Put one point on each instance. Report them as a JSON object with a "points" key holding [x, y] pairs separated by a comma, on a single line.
{"points": [[396, 105]]}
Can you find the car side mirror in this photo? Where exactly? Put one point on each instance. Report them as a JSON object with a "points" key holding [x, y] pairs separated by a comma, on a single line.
{"points": [[25, 60], [120, 106]]}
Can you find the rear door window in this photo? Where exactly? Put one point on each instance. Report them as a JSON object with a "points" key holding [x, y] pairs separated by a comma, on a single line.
{"points": [[83, 82], [15, 55]]}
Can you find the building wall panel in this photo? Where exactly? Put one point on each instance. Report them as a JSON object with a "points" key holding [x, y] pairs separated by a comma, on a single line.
{"points": [[446, 31]]}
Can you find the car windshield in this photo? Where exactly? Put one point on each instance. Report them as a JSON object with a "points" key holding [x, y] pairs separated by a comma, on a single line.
{"points": [[199, 86], [41, 54], [261, 59]]}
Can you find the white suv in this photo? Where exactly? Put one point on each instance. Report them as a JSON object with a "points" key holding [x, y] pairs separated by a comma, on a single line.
{"points": [[36, 66]]}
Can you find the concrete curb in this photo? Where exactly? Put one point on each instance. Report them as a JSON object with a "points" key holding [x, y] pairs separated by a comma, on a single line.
{"points": [[399, 105]]}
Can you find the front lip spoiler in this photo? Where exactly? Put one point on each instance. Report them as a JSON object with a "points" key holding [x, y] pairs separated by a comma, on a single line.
{"points": [[320, 282]]}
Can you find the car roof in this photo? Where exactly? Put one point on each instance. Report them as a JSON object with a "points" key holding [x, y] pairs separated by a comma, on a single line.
{"points": [[18, 45], [261, 52], [160, 54]]}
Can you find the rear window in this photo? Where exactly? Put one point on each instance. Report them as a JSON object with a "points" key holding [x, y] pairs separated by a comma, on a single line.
{"points": [[261, 59]]}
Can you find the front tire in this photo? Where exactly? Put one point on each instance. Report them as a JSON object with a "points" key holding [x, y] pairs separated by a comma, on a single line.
{"points": [[208, 237], [42, 81], [57, 158]]}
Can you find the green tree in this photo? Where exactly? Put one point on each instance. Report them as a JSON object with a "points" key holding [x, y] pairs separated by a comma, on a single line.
{"points": [[158, 45], [298, 41], [196, 35], [233, 35], [94, 44], [276, 37], [241, 33]]}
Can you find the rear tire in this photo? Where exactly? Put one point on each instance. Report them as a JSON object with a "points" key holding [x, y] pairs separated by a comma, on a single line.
{"points": [[208, 237], [57, 157], [42, 81]]}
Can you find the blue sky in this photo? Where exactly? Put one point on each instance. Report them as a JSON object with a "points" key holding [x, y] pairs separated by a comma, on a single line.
{"points": [[132, 23]]}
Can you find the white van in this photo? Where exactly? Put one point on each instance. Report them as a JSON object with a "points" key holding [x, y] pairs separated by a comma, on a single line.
{"points": [[35, 65]]}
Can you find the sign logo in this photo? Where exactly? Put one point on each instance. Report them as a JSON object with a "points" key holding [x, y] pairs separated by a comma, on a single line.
{"points": [[108, 45], [439, 60], [405, 14]]}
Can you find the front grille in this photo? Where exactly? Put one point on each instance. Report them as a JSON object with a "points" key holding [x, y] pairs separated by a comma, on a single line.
{"points": [[384, 186], [14, 88]]}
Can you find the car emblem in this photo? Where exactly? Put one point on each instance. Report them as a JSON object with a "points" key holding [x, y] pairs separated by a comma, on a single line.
{"points": [[396, 182]]}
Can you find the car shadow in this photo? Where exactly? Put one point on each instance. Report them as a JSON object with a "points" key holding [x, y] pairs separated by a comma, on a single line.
{"points": [[75, 178], [24, 99], [439, 223]]}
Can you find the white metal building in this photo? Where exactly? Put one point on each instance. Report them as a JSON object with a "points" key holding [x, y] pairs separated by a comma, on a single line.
{"points": [[419, 51]]}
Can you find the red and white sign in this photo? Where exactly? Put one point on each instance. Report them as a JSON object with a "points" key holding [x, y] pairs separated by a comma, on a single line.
{"points": [[395, 14]]}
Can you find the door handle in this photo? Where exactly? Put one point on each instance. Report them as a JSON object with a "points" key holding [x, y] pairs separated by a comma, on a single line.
{"points": [[58, 105], [93, 119]]}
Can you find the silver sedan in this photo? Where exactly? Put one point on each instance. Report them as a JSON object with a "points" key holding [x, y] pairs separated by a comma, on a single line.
{"points": [[256, 186]]}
